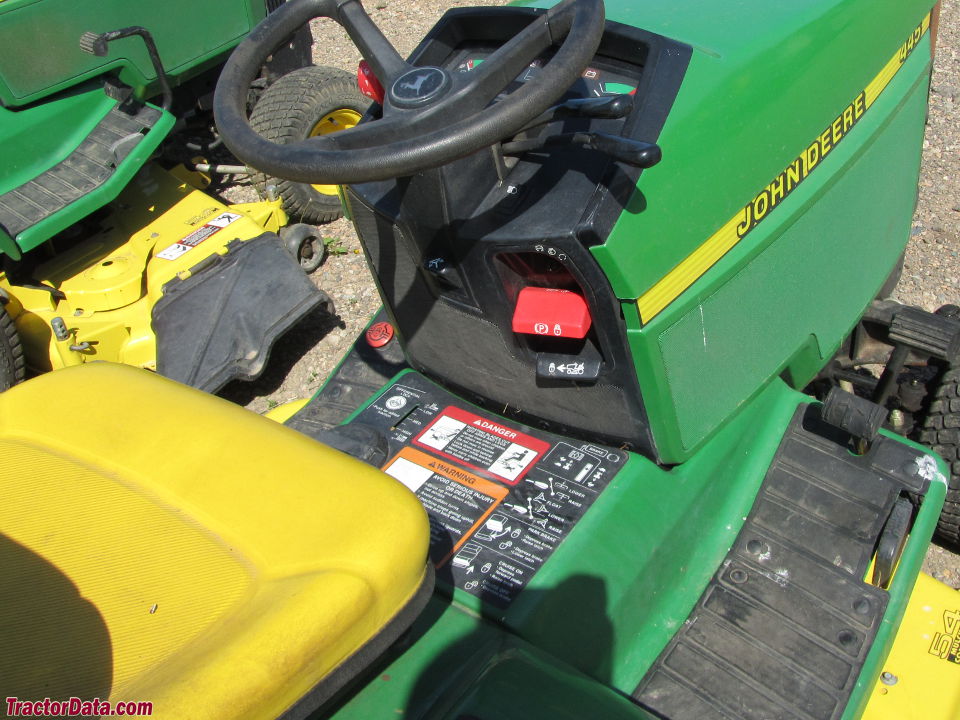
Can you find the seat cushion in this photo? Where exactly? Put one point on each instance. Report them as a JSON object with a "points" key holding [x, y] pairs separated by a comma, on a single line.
{"points": [[164, 545]]}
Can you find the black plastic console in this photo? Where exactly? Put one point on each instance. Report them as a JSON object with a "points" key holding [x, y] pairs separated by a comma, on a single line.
{"points": [[451, 248]]}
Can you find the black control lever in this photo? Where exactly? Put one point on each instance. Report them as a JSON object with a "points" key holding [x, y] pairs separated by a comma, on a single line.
{"points": [[96, 44], [610, 107], [632, 152]]}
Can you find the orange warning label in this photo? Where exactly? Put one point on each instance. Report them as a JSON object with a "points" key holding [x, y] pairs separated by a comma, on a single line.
{"points": [[501, 497], [458, 502]]}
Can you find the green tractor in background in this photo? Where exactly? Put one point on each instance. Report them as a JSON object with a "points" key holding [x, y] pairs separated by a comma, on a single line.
{"points": [[110, 250]]}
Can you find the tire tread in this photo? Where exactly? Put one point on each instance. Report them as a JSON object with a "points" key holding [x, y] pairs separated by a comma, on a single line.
{"points": [[13, 365], [286, 112], [941, 433]]}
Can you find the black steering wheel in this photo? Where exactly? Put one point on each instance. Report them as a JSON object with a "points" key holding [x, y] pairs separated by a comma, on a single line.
{"points": [[430, 117]]}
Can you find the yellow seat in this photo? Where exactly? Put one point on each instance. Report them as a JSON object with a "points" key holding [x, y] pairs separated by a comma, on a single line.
{"points": [[162, 545]]}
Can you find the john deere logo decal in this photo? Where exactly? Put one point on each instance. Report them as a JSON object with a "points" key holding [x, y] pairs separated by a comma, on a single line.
{"points": [[417, 86], [675, 282]]}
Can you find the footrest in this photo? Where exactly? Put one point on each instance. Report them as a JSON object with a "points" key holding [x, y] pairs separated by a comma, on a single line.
{"points": [[88, 167], [784, 627], [364, 371], [221, 322]]}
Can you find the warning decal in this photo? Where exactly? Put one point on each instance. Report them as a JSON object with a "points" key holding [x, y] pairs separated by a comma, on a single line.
{"points": [[189, 242], [482, 444], [501, 500], [457, 502], [946, 644]]}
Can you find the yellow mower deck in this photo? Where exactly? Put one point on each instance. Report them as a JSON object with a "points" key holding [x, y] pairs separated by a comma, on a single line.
{"points": [[159, 227], [210, 561], [921, 677]]}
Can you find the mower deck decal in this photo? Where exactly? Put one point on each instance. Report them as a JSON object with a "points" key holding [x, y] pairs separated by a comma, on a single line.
{"points": [[671, 285], [488, 537], [196, 237]]}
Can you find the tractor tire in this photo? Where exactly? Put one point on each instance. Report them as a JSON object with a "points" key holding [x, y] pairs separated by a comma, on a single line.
{"points": [[304, 103], [941, 433], [13, 368]]}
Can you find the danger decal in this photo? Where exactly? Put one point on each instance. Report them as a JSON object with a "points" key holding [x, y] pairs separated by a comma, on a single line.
{"points": [[495, 522], [482, 444]]}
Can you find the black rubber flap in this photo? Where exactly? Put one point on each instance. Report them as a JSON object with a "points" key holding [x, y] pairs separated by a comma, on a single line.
{"points": [[88, 167], [784, 627], [220, 323]]}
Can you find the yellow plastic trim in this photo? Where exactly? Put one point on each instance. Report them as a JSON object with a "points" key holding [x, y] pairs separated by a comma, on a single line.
{"points": [[212, 562], [282, 413], [921, 677], [342, 119]]}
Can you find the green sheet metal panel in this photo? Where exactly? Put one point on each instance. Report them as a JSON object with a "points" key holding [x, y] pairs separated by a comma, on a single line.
{"points": [[649, 524], [38, 137], [596, 616], [765, 83], [765, 79], [805, 290], [463, 666]]}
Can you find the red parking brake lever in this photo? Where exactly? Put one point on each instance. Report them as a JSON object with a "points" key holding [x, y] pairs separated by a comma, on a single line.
{"points": [[550, 311]]}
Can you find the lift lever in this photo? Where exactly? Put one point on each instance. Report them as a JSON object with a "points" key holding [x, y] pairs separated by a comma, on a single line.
{"points": [[96, 44], [632, 152]]}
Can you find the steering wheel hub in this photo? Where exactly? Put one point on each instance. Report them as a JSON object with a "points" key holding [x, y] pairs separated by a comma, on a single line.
{"points": [[419, 86]]}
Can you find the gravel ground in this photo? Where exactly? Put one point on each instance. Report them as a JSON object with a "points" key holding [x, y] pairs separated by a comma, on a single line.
{"points": [[931, 275]]}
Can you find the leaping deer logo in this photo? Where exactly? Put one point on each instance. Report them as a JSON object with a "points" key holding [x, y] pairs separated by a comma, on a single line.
{"points": [[416, 84]]}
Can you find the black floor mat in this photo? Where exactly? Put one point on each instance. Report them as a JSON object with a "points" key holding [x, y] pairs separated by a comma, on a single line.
{"points": [[89, 166], [785, 625]]}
